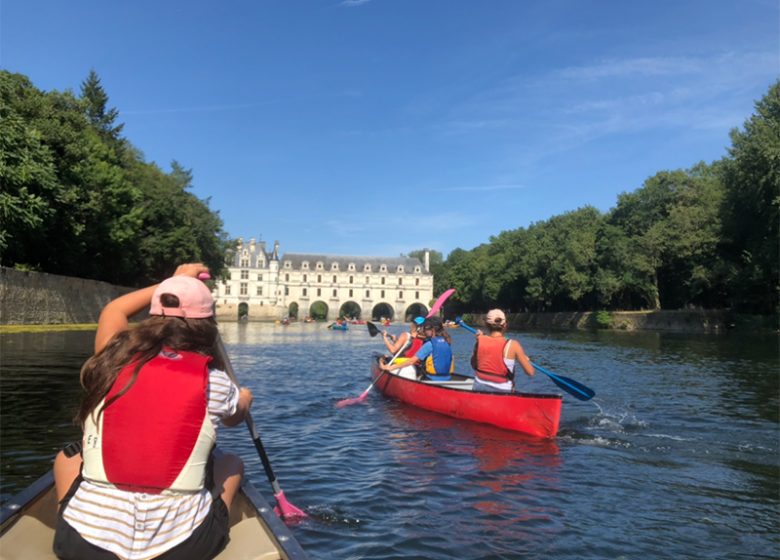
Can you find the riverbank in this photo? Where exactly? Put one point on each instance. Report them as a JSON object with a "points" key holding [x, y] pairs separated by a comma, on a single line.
{"points": [[31, 301], [665, 320]]}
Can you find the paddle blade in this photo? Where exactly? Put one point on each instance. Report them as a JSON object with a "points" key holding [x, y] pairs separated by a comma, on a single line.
{"points": [[285, 509], [372, 329], [439, 302], [354, 400], [574, 388]]}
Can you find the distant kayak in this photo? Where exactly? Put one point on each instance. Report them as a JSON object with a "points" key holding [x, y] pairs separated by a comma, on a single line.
{"points": [[337, 327]]}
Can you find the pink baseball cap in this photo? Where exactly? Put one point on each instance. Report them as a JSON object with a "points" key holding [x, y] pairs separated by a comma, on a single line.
{"points": [[495, 317], [195, 301]]}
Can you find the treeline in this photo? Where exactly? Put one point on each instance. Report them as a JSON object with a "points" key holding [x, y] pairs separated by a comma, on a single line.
{"points": [[705, 236], [78, 199]]}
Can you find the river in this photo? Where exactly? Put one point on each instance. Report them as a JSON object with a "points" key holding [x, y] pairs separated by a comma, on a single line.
{"points": [[677, 456]]}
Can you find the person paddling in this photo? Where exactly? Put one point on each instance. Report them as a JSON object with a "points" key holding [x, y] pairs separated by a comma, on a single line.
{"points": [[146, 484], [494, 356], [435, 355], [409, 341]]}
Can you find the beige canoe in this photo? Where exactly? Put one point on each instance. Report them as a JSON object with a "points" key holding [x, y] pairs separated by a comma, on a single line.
{"points": [[256, 533]]}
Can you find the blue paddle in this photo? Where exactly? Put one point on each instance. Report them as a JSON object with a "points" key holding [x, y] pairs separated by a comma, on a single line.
{"points": [[574, 388]]}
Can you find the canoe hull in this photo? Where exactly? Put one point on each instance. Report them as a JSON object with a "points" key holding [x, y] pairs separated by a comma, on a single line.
{"points": [[534, 414]]}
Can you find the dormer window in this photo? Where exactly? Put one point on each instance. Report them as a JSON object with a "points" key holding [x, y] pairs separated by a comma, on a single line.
{"points": [[383, 268], [287, 264], [351, 266], [367, 268], [417, 270], [400, 269], [334, 266], [305, 265], [319, 266]]}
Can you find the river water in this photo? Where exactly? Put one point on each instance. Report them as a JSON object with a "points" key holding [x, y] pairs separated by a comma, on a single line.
{"points": [[677, 456]]}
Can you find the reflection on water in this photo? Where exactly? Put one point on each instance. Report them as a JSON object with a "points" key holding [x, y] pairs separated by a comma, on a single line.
{"points": [[677, 455]]}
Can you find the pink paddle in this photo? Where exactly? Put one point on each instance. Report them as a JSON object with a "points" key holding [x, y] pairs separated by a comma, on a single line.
{"points": [[284, 508], [439, 302]]}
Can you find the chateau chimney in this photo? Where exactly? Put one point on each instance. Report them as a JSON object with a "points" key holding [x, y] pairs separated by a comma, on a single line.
{"points": [[427, 262]]}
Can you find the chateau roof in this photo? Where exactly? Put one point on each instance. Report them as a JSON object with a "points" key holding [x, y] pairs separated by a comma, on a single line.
{"points": [[392, 263]]}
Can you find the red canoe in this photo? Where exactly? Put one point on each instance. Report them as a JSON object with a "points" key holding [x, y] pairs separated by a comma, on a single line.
{"points": [[534, 414]]}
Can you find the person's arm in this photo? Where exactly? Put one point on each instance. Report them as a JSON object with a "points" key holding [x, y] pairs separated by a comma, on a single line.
{"points": [[115, 316], [242, 409], [409, 362], [474, 356], [517, 352], [394, 346]]}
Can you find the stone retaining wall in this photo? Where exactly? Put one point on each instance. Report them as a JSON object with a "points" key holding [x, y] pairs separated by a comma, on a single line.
{"points": [[37, 298]]}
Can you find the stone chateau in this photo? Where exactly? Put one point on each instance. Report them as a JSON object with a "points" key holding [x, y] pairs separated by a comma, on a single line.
{"points": [[262, 286]]}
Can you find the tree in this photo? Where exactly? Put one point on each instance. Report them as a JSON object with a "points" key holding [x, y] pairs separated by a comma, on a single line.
{"points": [[95, 101], [751, 207]]}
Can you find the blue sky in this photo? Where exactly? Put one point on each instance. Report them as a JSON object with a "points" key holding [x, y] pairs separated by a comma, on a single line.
{"points": [[376, 127]]}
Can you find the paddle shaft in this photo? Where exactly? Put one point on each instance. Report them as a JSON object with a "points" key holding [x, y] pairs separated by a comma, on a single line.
{"points": [[250, 424]]}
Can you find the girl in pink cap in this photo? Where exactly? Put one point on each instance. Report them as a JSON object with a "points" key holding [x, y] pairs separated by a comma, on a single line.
{"points": [[146, 484], [494, 356]]}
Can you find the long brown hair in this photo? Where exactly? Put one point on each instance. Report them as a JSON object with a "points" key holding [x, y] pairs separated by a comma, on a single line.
{"points": [[139, 345]]}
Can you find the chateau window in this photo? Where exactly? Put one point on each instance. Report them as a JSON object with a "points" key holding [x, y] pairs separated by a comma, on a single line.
{"points": [[400, 295], [334, 266], [367, 268], [319, 266], [382, 294], [367, 279], [335, 292], [259, 277], [351, 266], [319, 278], [286, 291], [417, 270], [416, 295], [304, 277], [286, 277], [304, 291], [305, 265], [351, 278], [319, 291], [227, 290], [400, 281], [400, 269], [244, 262], [243, 288], [383, 268], [350, 292], [383, 279], [416, 281], [244, 275], [334, 278], [259, 290], [368, 292], [287, 264]]}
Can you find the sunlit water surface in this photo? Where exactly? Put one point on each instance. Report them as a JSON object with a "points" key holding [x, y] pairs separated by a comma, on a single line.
{"points": [[676, 456]]}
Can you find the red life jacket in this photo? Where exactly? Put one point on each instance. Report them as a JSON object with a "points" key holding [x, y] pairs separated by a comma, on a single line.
{"points": [[490, 359], [414, 347], [158, 435]]}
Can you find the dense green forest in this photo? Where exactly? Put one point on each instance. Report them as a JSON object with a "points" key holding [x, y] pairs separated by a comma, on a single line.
{"points": [[705, 237], [78, 199]]}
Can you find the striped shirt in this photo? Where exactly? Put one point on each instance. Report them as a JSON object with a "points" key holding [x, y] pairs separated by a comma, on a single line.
{"points": [[135, 525]]}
